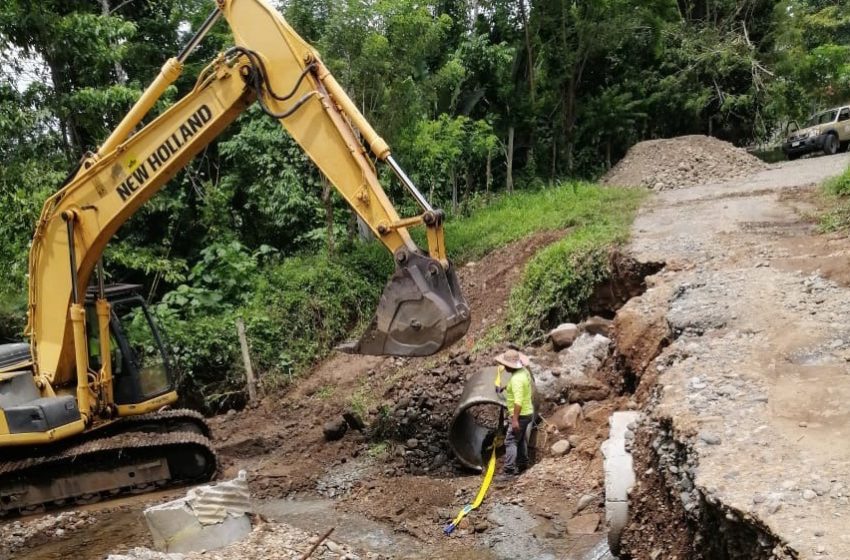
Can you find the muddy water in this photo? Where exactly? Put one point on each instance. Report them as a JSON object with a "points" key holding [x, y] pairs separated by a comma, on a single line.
{"points": [[121, 530], [117, 531], [317, 516]]}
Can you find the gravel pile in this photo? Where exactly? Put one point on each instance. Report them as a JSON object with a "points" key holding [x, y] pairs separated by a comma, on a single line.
{"points": [[682, 162]]}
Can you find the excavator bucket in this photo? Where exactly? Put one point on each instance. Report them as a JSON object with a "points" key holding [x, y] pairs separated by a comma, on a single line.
{"points": [[420, 312]]}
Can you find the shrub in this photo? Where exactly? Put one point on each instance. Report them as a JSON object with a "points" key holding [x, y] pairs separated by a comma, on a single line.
{"points": [[839, 185], [306, 305]]}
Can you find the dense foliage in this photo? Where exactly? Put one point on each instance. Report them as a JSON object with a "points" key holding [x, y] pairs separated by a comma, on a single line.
{"points": [[475, 96]]}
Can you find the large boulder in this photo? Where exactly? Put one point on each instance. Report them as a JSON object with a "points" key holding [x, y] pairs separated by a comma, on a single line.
{"points": [[581, 389], [566, 418], [563, 335]]}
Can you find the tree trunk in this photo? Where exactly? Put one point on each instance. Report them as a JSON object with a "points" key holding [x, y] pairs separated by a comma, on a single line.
{"points": [[120, 74], [327, 201], [488, 175], [554, 169], [453, 176], [352, 226], [529, 53], [509, 161]]}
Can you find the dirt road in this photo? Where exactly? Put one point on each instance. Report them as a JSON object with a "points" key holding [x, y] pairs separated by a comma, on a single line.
{"points": [[753, 391]]}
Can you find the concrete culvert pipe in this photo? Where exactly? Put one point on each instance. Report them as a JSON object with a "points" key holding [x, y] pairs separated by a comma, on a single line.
{"points": [[476, 419], [470, 428]]}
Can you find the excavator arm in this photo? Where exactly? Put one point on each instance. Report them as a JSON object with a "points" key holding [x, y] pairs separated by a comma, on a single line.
{"points": [[421, 310]]}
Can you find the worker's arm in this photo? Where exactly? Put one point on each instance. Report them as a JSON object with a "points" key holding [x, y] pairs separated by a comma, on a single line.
{"points": [[515, 417]]}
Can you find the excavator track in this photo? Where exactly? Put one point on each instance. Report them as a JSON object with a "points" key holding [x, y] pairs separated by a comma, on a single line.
{"points": [[132, 455]]}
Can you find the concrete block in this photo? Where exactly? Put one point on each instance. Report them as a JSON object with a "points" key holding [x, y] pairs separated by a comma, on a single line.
{"points": [[619, 477], [209, 517], [178, 530]]}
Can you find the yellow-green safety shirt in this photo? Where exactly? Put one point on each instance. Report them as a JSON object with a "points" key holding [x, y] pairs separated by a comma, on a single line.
{"points": [[518, 392]]}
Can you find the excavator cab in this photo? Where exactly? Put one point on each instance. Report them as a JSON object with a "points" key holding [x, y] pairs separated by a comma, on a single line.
{"points": [[140, 365]]}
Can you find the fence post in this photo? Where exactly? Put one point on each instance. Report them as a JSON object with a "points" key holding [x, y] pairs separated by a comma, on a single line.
{"points": [[246, 359]]}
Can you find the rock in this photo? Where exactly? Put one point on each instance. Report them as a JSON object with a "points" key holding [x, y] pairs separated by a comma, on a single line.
{"points": [[335, 429], [412, 443], [598, 325], [809, 494], [334, 547], [583, 524], [581, 389], [566, 418], [482, 526], [560, 448], [354, 421], [563, 335], [710, 438], [584, 501]]}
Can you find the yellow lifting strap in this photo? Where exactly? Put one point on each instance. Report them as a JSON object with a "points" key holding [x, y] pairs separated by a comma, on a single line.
{"points": [[491, 468]]}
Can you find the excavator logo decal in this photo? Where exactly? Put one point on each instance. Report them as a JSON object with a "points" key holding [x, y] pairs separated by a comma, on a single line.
{"points": [[160, 156]]}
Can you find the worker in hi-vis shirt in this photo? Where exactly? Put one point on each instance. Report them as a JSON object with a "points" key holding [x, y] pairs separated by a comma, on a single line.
{"points": [[518, 396]]}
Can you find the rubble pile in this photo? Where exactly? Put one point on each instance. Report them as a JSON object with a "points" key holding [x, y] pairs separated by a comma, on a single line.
{"points": [[682, 162], [19, 534], [271, 541], [420, 418]]}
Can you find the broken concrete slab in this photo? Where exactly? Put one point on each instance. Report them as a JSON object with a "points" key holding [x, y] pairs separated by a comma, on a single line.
{"points": [[209, 517]]}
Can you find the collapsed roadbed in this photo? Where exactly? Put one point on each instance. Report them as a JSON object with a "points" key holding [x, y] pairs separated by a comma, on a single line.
{"points": [[739, 353]]}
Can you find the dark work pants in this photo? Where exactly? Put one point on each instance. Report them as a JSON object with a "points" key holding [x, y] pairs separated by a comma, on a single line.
{"points": [[516, 446]]}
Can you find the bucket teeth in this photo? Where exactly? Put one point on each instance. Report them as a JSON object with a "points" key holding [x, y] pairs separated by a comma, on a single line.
{"points": [[421, 311]]}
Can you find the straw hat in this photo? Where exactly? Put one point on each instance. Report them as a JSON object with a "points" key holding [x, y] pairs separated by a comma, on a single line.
{"points": [[512, 359]]}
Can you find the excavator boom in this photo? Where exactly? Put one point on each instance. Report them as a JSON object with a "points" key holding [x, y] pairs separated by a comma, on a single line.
{"points": [[89, 406], [421, 309]]}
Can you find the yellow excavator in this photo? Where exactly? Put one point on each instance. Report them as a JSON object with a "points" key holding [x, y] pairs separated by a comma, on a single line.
{"points": [[84, 413]]}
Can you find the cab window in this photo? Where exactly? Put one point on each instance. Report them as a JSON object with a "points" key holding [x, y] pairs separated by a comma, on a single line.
{"points": [[844, 115]]}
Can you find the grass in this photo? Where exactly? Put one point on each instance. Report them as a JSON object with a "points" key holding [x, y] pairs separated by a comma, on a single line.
{"points": [[325, 392], [512, 217], [559, 281], [836, 193]]}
